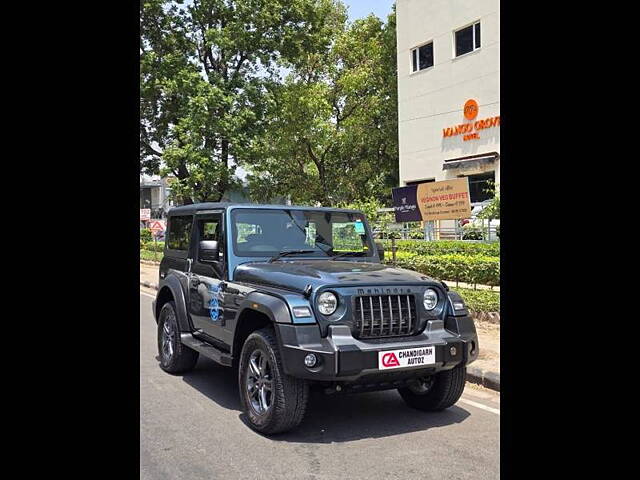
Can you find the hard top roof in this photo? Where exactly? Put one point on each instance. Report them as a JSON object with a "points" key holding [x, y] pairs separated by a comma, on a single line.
{"points": [[196, 207]]}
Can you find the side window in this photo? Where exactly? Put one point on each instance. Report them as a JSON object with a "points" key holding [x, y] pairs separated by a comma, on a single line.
{"points": [[179, 232], [209, 229]]}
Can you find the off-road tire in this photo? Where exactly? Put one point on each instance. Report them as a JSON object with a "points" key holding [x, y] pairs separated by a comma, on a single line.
{"points": [[183, 358], [289, 395], [445, 391]]}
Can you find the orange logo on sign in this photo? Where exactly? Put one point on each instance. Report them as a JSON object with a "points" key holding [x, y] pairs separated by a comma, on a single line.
{"points": [[390, 360], [470, 109]]}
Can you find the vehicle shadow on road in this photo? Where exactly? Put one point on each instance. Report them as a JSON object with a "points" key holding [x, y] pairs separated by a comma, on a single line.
{"points": [[218, 383], [330, 418], [349, 417]]}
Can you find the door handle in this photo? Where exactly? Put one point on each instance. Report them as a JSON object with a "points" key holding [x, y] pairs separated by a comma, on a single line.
{"points": [[224, 286]]}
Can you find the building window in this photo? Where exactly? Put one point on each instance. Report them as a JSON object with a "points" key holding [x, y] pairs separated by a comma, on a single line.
{"points": [[422, 57], [478, 186], [467, 39]]}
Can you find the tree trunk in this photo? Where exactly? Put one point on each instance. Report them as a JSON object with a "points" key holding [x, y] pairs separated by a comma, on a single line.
{"points": [[223, 184]]}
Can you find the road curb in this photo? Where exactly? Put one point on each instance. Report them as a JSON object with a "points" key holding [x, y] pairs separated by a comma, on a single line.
{"points": [[149, 285], [149, 262], [486, 378]]}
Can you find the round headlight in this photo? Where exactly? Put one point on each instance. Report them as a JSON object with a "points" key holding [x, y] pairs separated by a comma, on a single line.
{"points": [[327, 303], [430, 299]]}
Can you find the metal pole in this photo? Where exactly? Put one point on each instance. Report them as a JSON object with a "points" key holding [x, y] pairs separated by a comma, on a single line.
{"points": [[393, 250], [155, 246]]}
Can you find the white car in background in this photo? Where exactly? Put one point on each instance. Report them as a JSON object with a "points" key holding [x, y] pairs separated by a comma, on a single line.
{"points": [[480, 222]]}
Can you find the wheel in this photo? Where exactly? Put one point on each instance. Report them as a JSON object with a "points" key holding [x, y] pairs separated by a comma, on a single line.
{"points": [[435, 392], [174, 356], [273, 401]]}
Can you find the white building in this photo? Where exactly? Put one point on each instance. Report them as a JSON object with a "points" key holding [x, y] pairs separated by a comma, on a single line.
{"points": [[449, 56], [154, 194]]}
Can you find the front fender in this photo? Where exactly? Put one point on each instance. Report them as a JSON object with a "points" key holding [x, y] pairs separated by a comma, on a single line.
{"points": [[273, 307]]}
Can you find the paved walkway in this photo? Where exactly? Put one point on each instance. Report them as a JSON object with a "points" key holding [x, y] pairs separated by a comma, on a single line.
{"points": [[485, 370], [149, 273]]}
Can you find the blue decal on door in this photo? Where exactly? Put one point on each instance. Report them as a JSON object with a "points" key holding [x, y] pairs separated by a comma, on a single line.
{"points": [[214, 303]]}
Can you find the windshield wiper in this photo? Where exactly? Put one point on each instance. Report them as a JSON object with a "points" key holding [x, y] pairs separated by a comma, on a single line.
{"points": [[284, 253], [345, 254]]}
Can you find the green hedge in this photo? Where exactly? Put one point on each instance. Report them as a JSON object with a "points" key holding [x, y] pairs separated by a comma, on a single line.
{"points": [[145, 235], [480, 300], [149, 255], [459, 268], [151, 246], [443, 247]]}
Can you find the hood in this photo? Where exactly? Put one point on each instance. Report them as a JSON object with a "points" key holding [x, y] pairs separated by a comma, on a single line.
{"points": [[297, 274]]}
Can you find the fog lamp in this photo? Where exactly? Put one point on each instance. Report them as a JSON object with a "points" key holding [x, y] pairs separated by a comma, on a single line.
{"points": [[310, 360], [453, 351]]}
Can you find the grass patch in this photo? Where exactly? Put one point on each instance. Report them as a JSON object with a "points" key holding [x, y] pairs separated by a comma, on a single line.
{"points": [[149, 255]]}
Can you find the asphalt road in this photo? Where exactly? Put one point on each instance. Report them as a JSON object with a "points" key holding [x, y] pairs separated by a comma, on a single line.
{"points": [[191, 427]]}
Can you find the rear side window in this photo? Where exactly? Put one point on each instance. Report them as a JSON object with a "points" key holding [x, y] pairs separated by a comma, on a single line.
{"points": [[179, 232]]}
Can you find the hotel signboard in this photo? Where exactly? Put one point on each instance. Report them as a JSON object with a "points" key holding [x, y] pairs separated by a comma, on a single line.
{"points": [[471, 129]]}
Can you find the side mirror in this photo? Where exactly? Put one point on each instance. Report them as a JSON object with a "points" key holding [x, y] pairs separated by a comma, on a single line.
{"points": [[208, 251], [380, 248]]}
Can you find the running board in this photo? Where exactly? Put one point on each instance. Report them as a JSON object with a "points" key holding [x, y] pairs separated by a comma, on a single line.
{"points": [[206, 349]]}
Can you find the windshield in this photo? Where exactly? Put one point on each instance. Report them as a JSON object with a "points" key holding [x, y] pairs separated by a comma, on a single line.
{"points": [[267, 232]]}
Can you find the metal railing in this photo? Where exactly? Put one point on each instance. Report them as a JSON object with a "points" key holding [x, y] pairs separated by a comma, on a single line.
{"points": [[487, 233]]}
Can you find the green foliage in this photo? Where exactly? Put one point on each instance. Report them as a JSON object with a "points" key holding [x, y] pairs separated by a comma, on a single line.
{"points": [[331, 136], [150, 255], [472, 231], [368, 206], [480, 300], [145, 235], [453, 267], [151, 246], [492, 211], [416, 234], [443, 247], [206, 70]]}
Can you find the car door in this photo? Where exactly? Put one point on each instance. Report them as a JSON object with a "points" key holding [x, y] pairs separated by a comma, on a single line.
{"points": [[206, 299], [177, 247]]}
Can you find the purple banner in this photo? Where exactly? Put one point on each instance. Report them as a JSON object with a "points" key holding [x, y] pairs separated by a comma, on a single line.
{"points": [[405, 204]]}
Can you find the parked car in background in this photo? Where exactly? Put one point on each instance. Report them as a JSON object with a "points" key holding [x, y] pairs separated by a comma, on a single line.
{"points": [[476, 228]]}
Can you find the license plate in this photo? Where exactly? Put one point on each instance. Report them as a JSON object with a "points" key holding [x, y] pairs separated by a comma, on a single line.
{"points": [[407, 357]]}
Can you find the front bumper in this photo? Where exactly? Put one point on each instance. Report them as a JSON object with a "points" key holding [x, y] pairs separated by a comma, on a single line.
{"points": [[343, 358]]}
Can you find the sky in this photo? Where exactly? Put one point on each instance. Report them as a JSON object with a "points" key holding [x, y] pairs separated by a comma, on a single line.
{"points": [[362, 8]]}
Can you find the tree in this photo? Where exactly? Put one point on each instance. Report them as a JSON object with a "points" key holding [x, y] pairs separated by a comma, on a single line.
{"points": [[492, 210], [205, 73], [332, 130]]}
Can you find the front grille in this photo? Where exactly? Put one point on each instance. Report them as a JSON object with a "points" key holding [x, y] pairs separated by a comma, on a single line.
{"points": [[384, 316]]}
